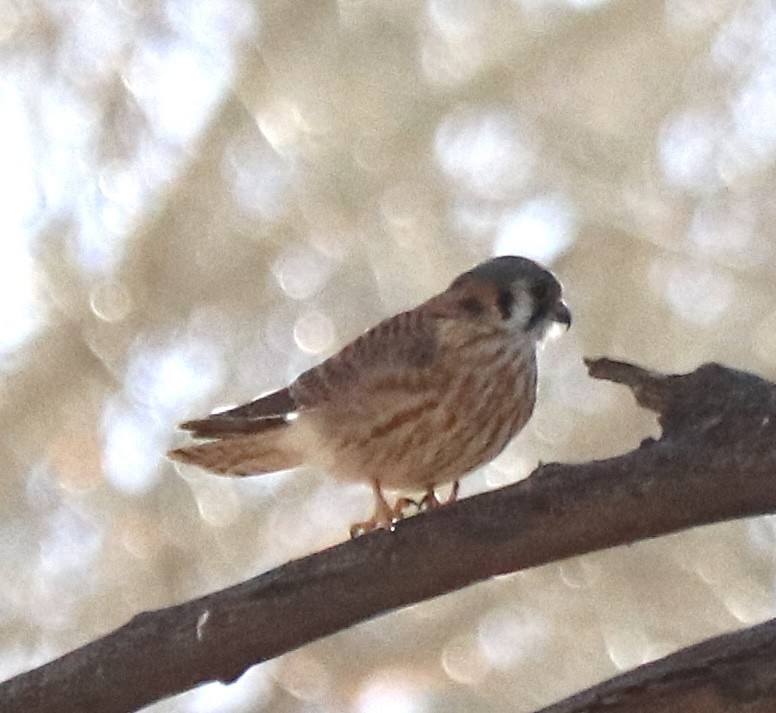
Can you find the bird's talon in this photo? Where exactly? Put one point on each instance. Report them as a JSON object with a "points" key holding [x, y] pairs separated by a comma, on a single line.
{"points": [[359, 528], [364, 528]]}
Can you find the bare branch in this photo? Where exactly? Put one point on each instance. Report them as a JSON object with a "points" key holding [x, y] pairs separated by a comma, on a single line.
{"points": [[734, 672], [714, 461]]}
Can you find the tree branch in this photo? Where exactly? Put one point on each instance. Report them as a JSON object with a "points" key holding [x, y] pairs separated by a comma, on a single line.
{"points": [[733, 672], [714, 461]]}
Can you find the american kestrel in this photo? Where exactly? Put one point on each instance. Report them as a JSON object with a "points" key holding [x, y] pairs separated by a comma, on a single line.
{"points": [[420, 400]]}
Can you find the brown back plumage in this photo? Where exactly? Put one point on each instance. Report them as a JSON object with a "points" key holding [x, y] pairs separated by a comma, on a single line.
{"points": [[406, 341]]}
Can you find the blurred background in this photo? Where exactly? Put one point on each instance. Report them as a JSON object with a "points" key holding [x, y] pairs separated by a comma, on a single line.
{"points": [[202, 198]]}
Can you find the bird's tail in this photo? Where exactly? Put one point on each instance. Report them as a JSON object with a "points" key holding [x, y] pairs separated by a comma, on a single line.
{"points": [[252, 454]]}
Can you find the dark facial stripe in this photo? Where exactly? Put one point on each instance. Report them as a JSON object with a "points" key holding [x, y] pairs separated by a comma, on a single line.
{"points": [[505, 302]]}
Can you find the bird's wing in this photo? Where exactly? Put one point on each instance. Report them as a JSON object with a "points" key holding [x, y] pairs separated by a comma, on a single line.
{"points": [[278, 403], [393, 350], [266, 412]]}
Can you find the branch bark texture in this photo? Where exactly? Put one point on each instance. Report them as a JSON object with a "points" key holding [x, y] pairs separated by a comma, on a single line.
{"points": [[715, 460]]}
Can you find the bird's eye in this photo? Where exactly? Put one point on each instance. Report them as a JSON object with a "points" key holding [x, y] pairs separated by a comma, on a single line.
{"points": [[505, 302], [540, 292]]}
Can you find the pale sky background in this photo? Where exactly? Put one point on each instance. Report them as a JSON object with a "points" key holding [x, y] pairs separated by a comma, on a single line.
{"points": [[201, 198]]}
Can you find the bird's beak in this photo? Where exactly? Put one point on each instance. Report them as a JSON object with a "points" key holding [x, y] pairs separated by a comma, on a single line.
{"points": [[561, 314]]}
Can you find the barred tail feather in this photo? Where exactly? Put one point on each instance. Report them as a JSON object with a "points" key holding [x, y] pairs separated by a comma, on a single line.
{"points": [[241, 455]]}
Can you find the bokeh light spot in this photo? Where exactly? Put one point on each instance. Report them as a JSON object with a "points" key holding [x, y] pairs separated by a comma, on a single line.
{"points": [[696, 294], [486, 153], [69, 547], [169, 379], [178, 84], [626, 644], [314, 332], [22, 311], [133, 448], [390, 692], [301, 273], [217, 501], [305, 676], [508, 636], [463, 660], [688, 150], [110, 301], [541, 229]]}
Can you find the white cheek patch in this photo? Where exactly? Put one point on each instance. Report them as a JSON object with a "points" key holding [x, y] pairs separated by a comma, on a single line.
{"points": [[521, 313]]}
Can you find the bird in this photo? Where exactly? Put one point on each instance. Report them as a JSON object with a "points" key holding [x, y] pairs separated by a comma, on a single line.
{"points": [[417, 401]]}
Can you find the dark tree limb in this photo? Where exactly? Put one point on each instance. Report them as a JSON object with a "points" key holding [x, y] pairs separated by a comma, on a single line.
{"points": [[733, 672], [715, 461]]}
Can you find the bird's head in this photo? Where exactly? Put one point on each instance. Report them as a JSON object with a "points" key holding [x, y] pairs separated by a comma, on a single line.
{"points": [[513, 292]]}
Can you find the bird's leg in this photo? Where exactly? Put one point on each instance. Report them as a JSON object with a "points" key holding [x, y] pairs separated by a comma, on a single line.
{"points": [[430, 500], [383, 517]]}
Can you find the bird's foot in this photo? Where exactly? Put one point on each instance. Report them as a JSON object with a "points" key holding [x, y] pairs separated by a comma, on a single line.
{"points": [[429, 501], [385, 516], [362, 528]]}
